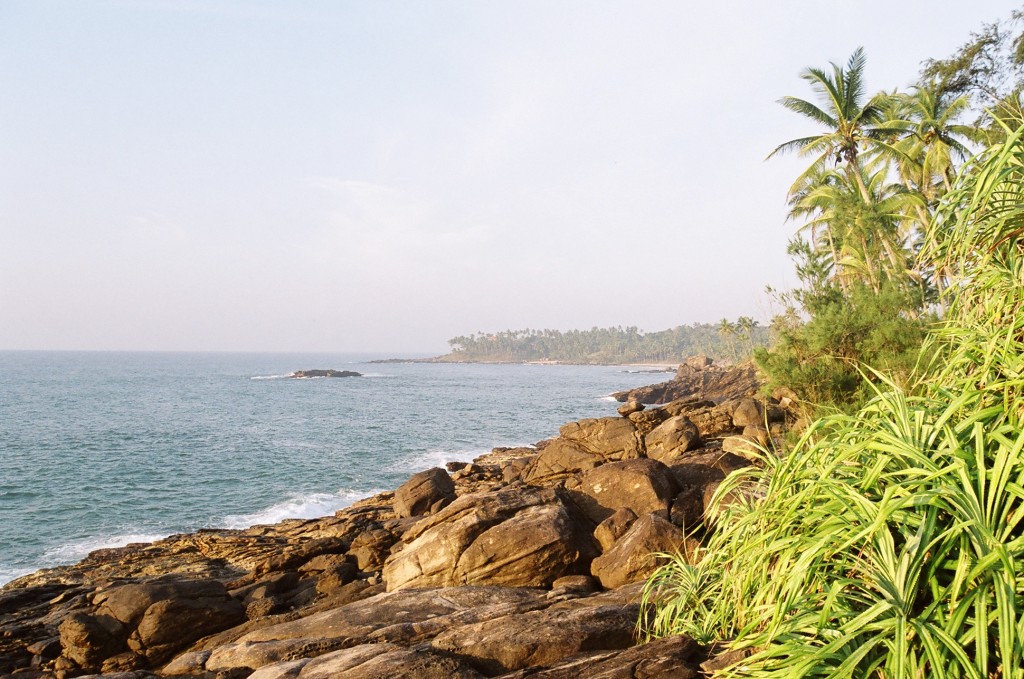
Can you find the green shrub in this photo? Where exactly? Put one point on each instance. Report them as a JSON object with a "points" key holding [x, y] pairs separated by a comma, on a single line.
{"points": [[891, 543]]}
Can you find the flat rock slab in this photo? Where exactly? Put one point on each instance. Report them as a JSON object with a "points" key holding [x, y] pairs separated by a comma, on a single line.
{"points": [[370, 661], [668, 658], [353, 623]]}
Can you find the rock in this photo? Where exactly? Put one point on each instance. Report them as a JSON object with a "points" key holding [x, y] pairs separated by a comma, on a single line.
{"points": [[300, 374], [88, 640], [757, 434], [667, 658], [645, 421], [370, 661], [467, 543], [612, 438], [747, 412], [672, 438], [557, 461], [614, 527], [741, 445], [172, 624], [578, 584], [416, 496], [643, 486], [323, 632], [632, 557], [698, 362], [539, 637], [371, 548], [630, 407], [703, 382], [334, 578]]}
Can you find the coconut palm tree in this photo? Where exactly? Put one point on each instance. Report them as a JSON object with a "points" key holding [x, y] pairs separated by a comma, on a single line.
{"points": [[852, 124]]}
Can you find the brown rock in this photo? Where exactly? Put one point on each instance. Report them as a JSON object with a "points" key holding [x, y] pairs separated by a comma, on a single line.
{"points": [[748, 411], [614, 527], [672, 438], [542, 542], [632, 558], [539, 637], [704, 382], [88, 640], [667, 658], [645, 421], [557, 461], [416, 496], [642, 485], [370, 548], [613, 438], [174, 623], [630, 407], [336, 577]]}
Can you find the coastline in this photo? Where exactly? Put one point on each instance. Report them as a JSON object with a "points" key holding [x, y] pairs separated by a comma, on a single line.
{"points": [[525, 560]]}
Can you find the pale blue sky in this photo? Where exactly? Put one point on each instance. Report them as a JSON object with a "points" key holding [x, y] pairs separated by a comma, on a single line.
{"points": [[382, 176]]}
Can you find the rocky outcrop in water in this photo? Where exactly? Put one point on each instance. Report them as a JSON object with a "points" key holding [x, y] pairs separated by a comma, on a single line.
{"points": [[525, 562], [305, 374]]}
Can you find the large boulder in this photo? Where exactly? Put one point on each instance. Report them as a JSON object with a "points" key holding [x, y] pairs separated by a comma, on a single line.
{"points": [[670, 440], [633, 556], [559, 460], [540, 637], [423, 491], [467, 543], [151, 619], [612, 438], [643, 485]]}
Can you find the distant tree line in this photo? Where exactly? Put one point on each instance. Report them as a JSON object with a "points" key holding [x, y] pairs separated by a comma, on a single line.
{"points": [[725, 341]]}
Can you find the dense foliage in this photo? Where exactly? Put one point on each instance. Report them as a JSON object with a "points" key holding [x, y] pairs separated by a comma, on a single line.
{"points": [[880, 167], [891, 543], [726, 340]]}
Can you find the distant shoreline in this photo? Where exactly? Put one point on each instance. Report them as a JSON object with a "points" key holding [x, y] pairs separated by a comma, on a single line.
{"points": [[654, 366]]}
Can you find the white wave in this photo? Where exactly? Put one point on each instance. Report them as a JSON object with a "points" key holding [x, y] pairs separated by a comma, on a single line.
{"points": [[269, 377], [434, 458], [310, 506], [609, 397], [71, 552], [8, 574]]}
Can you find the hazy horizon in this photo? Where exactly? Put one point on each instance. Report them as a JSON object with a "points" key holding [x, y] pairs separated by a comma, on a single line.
{"points": [[319, 177]]}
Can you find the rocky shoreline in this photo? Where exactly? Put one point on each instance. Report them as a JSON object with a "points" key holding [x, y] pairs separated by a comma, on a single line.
{"points": [[525, 562]]}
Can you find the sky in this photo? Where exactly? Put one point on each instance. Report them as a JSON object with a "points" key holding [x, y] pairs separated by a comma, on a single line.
{"points": [[241, 175]]}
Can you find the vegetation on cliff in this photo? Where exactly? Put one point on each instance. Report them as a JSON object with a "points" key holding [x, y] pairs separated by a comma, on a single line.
{"points": [[881, 168], [725, 340], [891, 542]]}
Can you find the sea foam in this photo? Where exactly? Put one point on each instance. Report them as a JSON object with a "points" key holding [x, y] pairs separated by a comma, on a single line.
{"points": [[310, 506]]}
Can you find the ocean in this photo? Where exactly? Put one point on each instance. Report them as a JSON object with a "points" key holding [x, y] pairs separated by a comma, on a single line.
{"points": [[101, 449]]}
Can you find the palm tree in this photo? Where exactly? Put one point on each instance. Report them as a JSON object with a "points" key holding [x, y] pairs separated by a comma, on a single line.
{"points": [[852, 124], [934, 142]]}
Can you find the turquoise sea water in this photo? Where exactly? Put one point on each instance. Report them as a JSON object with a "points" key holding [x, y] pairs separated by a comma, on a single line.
{"points": [[102, 449]]}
